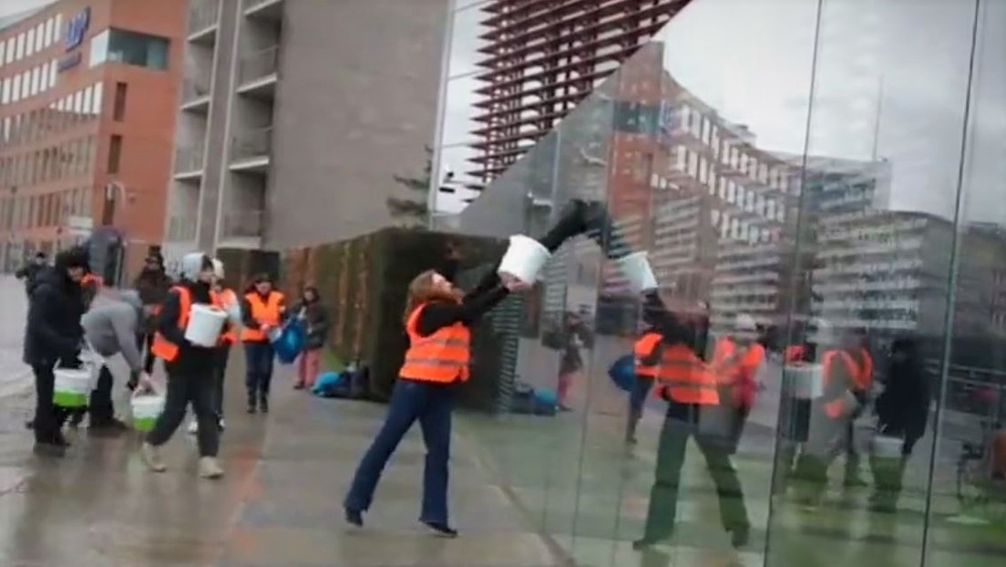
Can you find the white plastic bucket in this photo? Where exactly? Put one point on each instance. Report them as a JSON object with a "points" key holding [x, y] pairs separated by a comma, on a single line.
{"points": [[636, 269], [205, 324], [806, 380], [146, 409], [72, 387], [524, 258], [886, 446]]}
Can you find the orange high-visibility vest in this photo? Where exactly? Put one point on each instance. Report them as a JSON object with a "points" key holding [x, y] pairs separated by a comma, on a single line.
{"points": [[268, 312], [91, 279], [732, 367], [440, 357], [794, 353], [685, 379], [227, 299], [860, 375], [162, 347], [644, 349]]}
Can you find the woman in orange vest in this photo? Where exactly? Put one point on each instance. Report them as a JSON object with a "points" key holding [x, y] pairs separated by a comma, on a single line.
{"points": [[689, 387], [647, 354], [438, 319], [190, 369], [737, 359], [263, 309]]}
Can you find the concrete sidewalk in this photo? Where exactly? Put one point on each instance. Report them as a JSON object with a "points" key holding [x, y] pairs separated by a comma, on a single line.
{"points": [[279, 505]]}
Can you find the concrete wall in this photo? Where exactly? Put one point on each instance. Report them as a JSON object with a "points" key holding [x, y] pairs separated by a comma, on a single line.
{"points": [[356, 104]]}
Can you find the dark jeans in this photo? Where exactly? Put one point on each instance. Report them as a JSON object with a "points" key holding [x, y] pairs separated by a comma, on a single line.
{"points": [[637, 400], [219, 371], [197, 388], [431, 404], [258, 358], [674, 436], [49, 418], [100, 405]]}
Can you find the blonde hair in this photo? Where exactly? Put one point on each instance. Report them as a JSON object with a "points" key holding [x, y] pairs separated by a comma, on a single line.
{"points": [[422, 290]]}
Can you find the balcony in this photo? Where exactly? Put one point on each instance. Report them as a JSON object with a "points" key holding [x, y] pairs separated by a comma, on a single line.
{"points": [[182, 228], [258, 73], [251, 150], [195, 96], [265, 9], [242, 228], [203, 18], [189, 163]]}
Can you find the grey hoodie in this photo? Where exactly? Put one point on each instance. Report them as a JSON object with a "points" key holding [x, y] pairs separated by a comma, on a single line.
{"points": [[112, 326]]}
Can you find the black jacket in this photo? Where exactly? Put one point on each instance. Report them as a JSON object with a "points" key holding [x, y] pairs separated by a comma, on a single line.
{"points": [[55, 307], [153, 286], [29, 272], [191, 358], [903, 407], [316, 319]]}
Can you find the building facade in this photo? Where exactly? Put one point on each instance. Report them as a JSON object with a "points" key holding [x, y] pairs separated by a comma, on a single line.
{"points": [[296, 116], [87, 99]]}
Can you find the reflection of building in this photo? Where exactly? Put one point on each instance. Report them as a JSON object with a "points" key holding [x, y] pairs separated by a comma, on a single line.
{"points": [[543, 58], [82, 88], [287, 139]]}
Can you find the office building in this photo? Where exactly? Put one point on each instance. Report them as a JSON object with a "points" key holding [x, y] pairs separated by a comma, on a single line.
{"points": [[87, 91], [295, 117]]}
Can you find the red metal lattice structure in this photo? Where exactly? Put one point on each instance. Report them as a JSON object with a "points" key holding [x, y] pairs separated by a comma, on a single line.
{"points": [[541, 58]]}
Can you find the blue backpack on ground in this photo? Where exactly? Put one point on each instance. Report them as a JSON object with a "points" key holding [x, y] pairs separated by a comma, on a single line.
{"points": [[290, 341], [623, 372], [331, 384]]}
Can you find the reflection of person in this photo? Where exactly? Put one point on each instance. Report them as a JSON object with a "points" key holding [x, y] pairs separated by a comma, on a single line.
{"points": [[111, 328], [689, 388], [190, 369], [848, 377], [263, 308], [574, 334], [30, 270], [438, 319], [902, 411], [647, 362], [53, 335], [737, 360], [310, 310]]}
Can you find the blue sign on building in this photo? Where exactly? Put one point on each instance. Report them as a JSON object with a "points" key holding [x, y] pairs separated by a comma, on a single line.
{"points": [[76, 29]]}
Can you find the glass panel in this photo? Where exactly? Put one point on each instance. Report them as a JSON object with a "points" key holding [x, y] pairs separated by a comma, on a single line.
{"points": [[465, 30], [967, 506], [460, 111]]}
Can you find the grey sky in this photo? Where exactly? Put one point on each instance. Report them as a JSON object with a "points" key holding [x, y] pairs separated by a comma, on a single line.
{"points": [[8, 7], [906, 58]]}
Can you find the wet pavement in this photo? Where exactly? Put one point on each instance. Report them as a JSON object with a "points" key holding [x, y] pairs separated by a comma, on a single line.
{"points": [[279, 504]]}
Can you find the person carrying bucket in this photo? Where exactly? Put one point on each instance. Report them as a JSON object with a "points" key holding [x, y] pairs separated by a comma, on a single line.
{"points": [[263, 309], [229, 302], [190, 368], [438, 319], [310, 310], [53, 337]]}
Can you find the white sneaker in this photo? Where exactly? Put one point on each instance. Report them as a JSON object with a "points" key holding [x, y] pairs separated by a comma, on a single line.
{"points": [[193, 427], [209, 468], [221, 424], [152, 458]]}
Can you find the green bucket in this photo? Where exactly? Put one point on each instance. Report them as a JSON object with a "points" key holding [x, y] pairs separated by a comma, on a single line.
{"points": [[144, 424], [70, 400]]}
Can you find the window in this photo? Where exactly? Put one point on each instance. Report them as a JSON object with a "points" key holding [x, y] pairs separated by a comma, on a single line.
{"points": [[50, 32], [40, 37], [98, 91], [119, 112], [88, 94], [16, 89], [131, 48], [53, 68], [20, 47], [5, 91], [3, 52], [114, 153], [10, 50], [29, 48], [34, 81]]}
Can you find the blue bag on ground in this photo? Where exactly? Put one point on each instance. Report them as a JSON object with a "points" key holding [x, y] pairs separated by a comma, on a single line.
{"points": [[290, 342], [331, 384], [623, 372]]}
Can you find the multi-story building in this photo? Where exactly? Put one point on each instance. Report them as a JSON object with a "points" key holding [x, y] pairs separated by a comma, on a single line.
{"points": [[287, 139], [87, 91]]}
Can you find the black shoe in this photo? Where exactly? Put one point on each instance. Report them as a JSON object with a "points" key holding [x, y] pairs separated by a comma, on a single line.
{"points": [[441, 530], [354, 518], [264, 404], [48, 449], [299, 386], [646, 542], [740, 536], [252, 403], [76, 419], [252, 408], [30, 424], [60, 440]]}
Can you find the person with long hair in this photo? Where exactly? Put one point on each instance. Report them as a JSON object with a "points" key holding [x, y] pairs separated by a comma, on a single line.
{"points": [[438, 318], [310, 310], [262, 309]]}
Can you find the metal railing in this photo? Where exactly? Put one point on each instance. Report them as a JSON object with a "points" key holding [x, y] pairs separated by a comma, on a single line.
{"points": [[189, 159], [203, 14], [193, 90], [182, 228], [252, 144], [243, 224], [258, 65], [252, 4]]}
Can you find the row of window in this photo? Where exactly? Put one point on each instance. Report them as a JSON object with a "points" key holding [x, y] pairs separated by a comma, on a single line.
{"points": [[68, 112], [32, 41], [50, 209], [698, 167], [29, 83], [55, 163]]}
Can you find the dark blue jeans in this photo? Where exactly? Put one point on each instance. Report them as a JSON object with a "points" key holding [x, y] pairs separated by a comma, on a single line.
{"points": [[258, 359], [431, 404]]}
